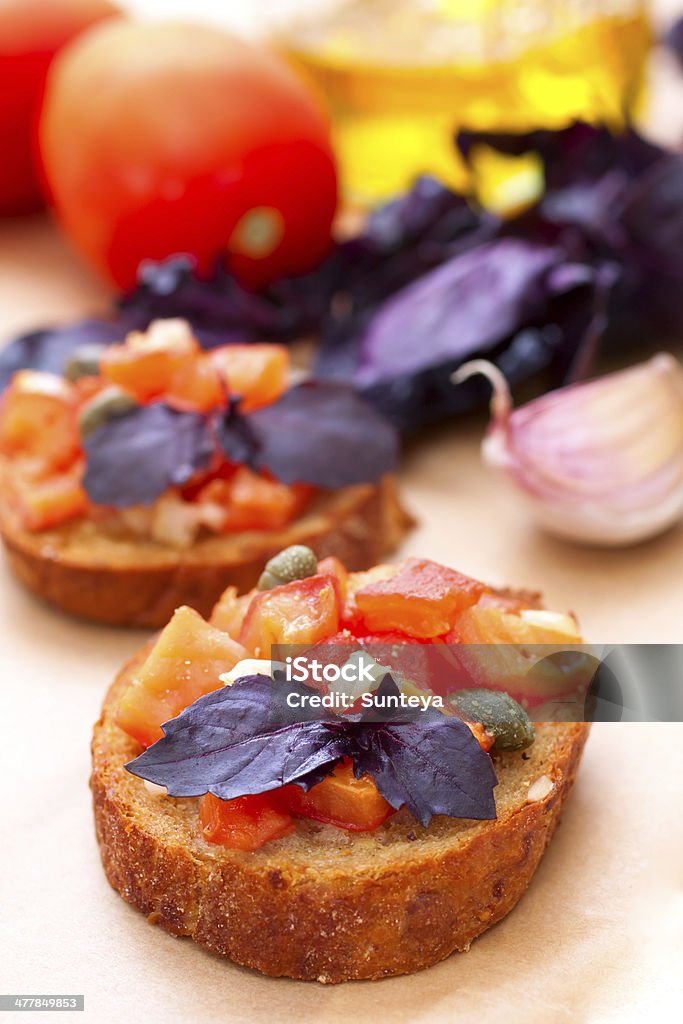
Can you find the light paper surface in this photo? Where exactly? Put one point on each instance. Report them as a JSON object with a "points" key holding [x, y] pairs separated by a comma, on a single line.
{"points": [[599, 935]]}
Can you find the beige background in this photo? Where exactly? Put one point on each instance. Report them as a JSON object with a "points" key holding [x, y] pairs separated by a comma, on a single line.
{"points": [[599, 937]]}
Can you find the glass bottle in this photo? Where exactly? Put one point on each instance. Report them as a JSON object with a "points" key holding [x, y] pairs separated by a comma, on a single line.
{"points": [[400, 76]]}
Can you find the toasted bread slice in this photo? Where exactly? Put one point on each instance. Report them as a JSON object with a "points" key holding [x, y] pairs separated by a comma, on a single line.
{"points": [[121, 582], [323, 903]]}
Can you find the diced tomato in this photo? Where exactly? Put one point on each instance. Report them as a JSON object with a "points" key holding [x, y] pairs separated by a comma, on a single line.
{"points": [[39, 419], [229, 611], [300, 612], [257, 373], [332, 566], [422, 599], [341, 799], [51, 500], [146, 364], [245, 823], [184, 664], [220, 469], [197, 387], [358, 581], [253, 502]]}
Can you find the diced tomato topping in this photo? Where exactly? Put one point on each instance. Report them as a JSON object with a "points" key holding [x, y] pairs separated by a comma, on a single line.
{"points": [[332, 566], [197, 387], [259, 374], [300, 612], [358, 581], [146, 364], [228, 613], [252, 502], [422, 599], [245, 823], [39, 420], [51, 500], [341, 799], [184, 664]]}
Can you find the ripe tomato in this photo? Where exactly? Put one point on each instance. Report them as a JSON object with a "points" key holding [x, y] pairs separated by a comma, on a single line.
{"points": [[341, 799], [422, 599], [50, 500], [38, 421], [252, 502], [257, 373], [160, 138], [197, 387], [228, 614], [245, 823], [184, 664], [300, 612], [31, 32]]}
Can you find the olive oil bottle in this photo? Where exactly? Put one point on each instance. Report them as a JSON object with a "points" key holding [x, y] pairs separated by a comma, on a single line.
{"points": [[400, 76]]}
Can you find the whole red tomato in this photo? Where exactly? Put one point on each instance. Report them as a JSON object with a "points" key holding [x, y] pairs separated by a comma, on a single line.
{"points": [[160, 138], [31, 32]]}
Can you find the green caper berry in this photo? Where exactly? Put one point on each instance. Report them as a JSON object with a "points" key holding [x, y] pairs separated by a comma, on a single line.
{"points": [[293, 563], [499, 714], [106, 405], [84, 361]]}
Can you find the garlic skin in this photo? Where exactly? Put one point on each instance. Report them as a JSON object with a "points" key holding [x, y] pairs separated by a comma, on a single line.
{"points": [[599, 463]]}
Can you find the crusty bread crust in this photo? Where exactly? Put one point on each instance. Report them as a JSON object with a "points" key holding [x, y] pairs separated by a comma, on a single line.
{"points": [[116, 581], [323, 903]]}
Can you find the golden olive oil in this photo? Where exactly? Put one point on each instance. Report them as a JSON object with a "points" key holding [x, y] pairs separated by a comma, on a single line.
{"points": [[400, 76]]}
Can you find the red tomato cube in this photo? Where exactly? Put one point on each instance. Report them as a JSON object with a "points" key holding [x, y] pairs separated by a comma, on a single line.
{"points": [[39, 420], [422, 599], [341, 799], [184, 664], [257, 373], [301, 612], [146, 364], [49, 501], [245, 823]]}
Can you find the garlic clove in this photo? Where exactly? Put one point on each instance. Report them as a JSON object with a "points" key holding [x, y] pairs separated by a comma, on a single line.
{"points": [[598, 462]]}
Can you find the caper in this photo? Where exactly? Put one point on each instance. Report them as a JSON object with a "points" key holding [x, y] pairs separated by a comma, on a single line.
{"points": [[84, 361], [106, 405], [293, 563], [499, 714]]}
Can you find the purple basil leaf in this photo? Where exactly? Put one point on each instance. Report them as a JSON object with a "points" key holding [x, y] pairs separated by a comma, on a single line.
{"points": [[235, 742], [49, 349], [318, 433], [133, 458], [220, 310], [431, 766], [507, 300], [467, 305], [588, 171], [653, 216], [579, 153], [242, 740]]}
